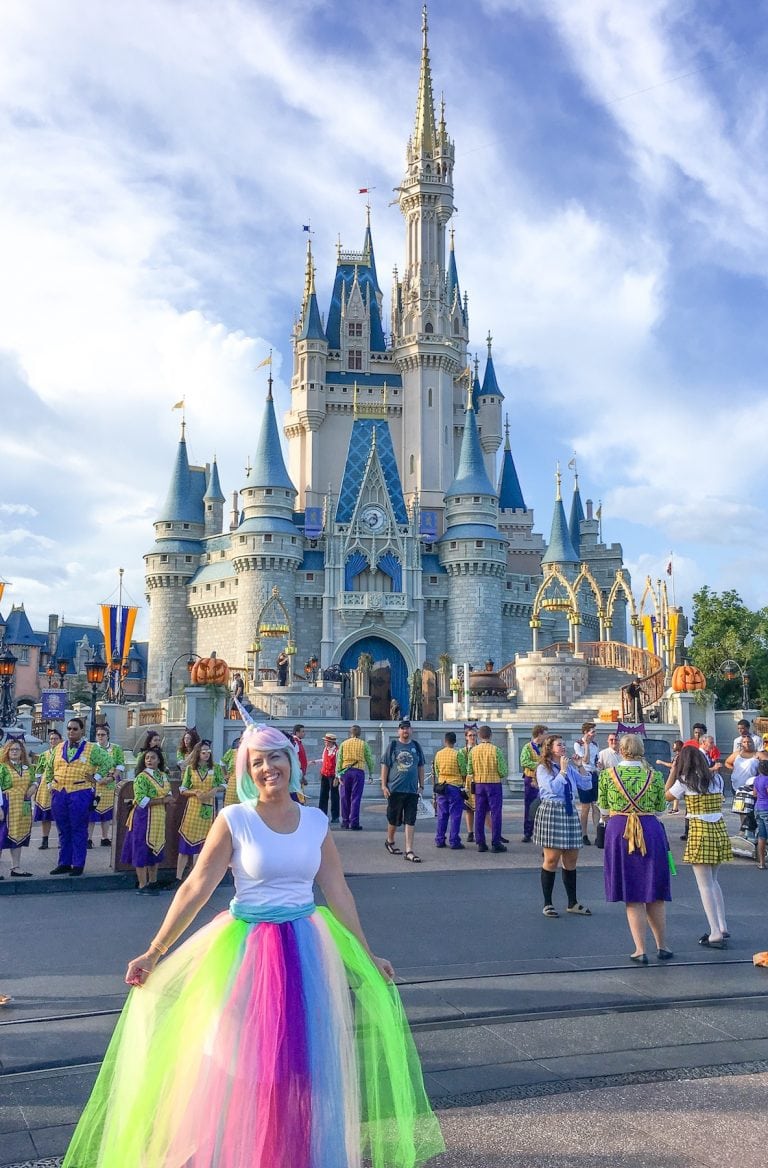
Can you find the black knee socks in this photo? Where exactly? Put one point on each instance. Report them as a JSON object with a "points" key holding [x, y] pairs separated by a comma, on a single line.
{"points": [[569, 880], [547, 885]]}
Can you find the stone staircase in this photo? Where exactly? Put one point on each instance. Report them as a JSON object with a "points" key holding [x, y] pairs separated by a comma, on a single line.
{"points": [[603, 692]]}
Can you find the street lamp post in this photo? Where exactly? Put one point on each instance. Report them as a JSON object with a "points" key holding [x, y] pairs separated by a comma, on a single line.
{"points": [[94, 672], [191, 659], [730, 670], [62, 666], [7, 707]]}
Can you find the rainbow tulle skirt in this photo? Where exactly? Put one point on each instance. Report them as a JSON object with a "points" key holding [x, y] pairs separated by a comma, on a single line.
{"points": [[268, 1045]]}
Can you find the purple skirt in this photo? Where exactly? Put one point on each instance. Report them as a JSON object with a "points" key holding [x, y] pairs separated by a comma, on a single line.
{"points": [[136, 851], [4, 823], [636, 879], [43, 814]]}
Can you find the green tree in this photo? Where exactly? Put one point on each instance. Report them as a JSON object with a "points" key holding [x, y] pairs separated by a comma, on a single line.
{"points": [[723, 628]]}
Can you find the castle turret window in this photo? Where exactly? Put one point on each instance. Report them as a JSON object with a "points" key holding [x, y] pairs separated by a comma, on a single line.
{"points": [[355, 328], [355, 360]]}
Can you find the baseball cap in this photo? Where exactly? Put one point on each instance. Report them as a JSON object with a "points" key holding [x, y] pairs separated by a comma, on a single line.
{"points": [[403, 723], [331, 736]]}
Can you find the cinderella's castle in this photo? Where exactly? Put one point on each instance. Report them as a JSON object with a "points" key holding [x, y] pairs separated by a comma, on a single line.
{"points": [[393, 530]]}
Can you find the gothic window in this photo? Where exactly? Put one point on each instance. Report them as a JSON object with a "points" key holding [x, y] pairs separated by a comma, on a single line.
{"points": [[412, 464], [456, 326], [428, 327], [355, 359], [429, 397], [355, 328], [445, 436]]}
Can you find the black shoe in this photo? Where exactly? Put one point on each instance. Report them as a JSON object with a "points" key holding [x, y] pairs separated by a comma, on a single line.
{"points": [[106, 843], [470, 837], [76, 871], [43, 846], [588, 843], [499, 847], [442, 845], [683, 837], [641, 959], [89, 845], [665, 955], [61, 870], [482, 847], [355, 827], [457, 847], [526, 839], [705, 941], [503, 839], [145, 891]]}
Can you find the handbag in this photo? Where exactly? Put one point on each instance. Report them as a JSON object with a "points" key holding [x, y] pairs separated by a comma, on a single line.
{"points": [[439, 788], [600, 835], [424, 809]]}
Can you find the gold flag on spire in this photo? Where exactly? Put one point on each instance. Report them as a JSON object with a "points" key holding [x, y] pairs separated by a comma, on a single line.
{"points": [[266, 361], [179, 405]]}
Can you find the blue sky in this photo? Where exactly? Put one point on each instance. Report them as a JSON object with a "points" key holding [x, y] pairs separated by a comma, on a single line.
{"points": [[157, 162]]}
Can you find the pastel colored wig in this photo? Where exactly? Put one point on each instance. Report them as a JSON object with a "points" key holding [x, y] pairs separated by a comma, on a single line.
{"points": [[262, 737]]}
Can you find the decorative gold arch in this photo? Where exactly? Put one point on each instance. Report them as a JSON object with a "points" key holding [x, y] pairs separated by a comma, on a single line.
{"points": [[620, 585], [540, 601], [649, 590], [277, 625], [585, 577]]}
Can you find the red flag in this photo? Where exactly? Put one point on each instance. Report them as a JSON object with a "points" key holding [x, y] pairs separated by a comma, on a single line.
{"points": [[363, 190]]}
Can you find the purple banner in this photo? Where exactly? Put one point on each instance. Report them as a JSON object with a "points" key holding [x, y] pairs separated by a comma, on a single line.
{"points": [[54, 705], [313, 522]]}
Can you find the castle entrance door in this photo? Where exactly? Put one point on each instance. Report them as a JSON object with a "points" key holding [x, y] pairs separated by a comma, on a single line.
{"points": [[385, 658]]}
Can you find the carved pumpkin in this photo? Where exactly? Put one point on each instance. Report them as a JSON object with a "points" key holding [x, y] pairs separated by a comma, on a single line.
{"points": [[210, 671], [687, 678]]}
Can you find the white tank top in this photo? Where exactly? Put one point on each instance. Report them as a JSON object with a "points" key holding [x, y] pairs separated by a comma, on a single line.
{"points": [[271, 868]]}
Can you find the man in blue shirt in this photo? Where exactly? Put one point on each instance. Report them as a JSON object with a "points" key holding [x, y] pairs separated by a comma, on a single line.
{"points": [[402, 780]]}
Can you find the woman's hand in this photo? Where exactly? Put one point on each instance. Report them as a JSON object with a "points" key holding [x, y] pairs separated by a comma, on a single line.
{"points": [[140, 968], [384, 967]]}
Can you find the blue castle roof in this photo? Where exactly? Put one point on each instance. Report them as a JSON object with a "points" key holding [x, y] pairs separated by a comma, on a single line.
{"points": [[213, 492], [312, 324], [366, 278], [490, 384], [577, 514], [560, 550], [471, 476], [18, 630], [184, 502], [510, 491], [268, 468], [357, 459]]}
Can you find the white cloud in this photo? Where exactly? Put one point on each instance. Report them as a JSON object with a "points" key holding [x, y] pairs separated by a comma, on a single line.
{"points": [[17, 509]]}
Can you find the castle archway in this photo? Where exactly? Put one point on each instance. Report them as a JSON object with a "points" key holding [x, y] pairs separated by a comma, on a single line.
{"points": [[386, 655]]}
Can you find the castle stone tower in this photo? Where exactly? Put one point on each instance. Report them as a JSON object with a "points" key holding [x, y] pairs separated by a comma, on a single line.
{"points": [[169, 566], [213, 501], [473, 553], [266, 546]]}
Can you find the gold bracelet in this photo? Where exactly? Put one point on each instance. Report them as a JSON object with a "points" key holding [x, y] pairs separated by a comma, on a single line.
{"points": [[161, 949]]}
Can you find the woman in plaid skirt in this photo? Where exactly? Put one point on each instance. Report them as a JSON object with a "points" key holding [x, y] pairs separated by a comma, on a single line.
{"points": [[708, 845], [557, 828]]}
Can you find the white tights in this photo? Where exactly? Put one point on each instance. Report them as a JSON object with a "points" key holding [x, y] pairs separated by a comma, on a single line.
{"points": [[711, 898]]}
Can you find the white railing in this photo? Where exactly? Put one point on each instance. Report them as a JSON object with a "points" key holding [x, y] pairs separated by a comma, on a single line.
{"points": [[372, 601]]}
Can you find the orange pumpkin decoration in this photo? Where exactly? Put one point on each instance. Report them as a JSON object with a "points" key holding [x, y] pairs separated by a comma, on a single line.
{"points": [[210, 671], [687, 678]]}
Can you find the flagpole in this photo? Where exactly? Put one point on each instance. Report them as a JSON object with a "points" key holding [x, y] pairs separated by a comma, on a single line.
{"points": [[672, 576]]}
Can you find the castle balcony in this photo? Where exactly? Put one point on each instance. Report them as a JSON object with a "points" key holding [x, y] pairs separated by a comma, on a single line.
{"points": [[356, 608]]}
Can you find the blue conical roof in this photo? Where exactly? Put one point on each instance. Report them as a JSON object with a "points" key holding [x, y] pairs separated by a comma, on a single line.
{"points": [[490, 384], [183, 502], [213, 492], [577, 514], [312, 324], [560, 549], [510, 491], [268, 468], [471, 476], [452, 279], [368, 250]]}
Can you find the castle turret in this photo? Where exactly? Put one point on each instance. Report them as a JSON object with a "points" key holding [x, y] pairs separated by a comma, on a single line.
{"points": [[560, 550], [266, 545], [213, 501], [473, 553], [429, 354], [577, 514], [169, 566], [488, 409]]}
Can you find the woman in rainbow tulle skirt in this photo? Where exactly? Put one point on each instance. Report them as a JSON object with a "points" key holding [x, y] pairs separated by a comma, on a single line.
{"points": [[272, 1038]]}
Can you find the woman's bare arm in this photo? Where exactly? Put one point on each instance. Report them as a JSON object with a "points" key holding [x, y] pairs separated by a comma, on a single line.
{"points": [[341, 902], [193, 895]]}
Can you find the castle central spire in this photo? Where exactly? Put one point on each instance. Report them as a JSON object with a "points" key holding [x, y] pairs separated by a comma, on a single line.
{"points": [[425, 130]]}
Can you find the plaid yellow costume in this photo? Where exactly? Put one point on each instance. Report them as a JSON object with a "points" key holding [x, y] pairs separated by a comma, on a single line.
{"points": [[14, 782], [708, 843], [144, 842], [44, 775], [198, 817], [229, 769]]}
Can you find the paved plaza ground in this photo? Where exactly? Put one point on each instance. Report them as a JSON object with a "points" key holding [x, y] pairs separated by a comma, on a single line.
{"points": [[541, 1044]]}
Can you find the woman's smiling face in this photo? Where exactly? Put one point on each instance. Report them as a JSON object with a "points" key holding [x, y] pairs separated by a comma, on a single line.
{"points": [[270, 770]]}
